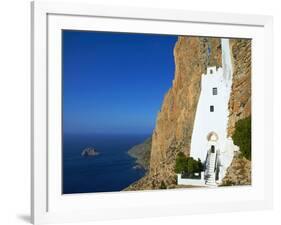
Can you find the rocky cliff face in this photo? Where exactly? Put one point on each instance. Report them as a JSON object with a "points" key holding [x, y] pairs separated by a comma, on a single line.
{"points": [[174, 123], [239, 172], [240, 99]]}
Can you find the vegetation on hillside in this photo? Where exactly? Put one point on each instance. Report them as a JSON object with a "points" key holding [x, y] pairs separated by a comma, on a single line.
{"points": [[242, 136], [187, 165]]}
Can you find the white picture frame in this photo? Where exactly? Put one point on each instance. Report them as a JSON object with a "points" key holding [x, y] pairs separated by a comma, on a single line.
{"points": [[48, 205]]}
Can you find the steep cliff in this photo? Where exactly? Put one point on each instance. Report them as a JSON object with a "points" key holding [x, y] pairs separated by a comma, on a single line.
{"points": [[174, 124], [240, 99], [239, 172]]}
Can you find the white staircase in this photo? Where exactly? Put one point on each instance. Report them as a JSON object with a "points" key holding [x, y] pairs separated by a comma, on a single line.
{"points": [[210, 171]]}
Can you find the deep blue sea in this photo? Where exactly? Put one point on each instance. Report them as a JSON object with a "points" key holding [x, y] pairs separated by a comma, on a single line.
{"points": [[111, 170]]}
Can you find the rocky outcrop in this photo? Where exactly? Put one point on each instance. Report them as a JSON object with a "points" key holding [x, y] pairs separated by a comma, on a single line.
{"points": [[238, 173], [141, 153], [89, 152], [240, 99], [174, 124]]}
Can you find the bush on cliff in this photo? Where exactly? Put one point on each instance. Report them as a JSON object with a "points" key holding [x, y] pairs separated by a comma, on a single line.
{"points": [[192, 166], [242, 136], [187, 165], [181, 163]]}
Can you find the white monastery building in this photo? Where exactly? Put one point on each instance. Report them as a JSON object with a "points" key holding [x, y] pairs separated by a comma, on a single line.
{"points": [[209, 140]]}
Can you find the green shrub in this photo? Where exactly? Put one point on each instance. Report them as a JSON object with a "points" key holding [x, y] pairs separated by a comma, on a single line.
{"points": [[181, 163], [242, 136], [200, 165], [192, 166], [187, 165]]}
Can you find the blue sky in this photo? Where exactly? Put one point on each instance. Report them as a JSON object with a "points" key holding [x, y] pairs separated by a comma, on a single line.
{"points": [[115, 82]]}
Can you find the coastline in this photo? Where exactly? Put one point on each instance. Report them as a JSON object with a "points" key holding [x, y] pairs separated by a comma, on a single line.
{"points": [[141, 153]]}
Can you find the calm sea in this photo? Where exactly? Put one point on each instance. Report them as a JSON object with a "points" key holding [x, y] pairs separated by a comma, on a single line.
{"points": [[111, 170]]}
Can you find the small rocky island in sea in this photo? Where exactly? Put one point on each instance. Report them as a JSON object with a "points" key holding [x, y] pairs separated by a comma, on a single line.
{"points": [[89, 151]]}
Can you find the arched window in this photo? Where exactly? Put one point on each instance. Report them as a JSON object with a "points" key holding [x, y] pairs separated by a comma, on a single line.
{"points": [[212, 136]]}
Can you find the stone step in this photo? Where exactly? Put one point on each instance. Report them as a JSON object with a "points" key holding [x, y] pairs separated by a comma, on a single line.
{"points": [[211, 183], [211, 179]]}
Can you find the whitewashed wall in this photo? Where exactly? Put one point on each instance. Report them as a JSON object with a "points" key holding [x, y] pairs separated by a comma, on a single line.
{"points": [[216, 121]]}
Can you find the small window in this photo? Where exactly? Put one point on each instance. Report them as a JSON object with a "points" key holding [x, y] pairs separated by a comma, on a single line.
{"points": [[212, 108], [215, 91], [211, 71]]}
